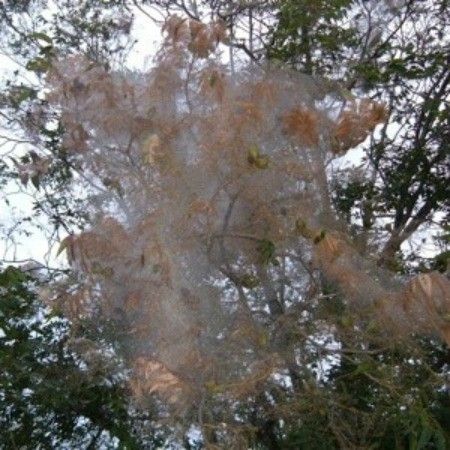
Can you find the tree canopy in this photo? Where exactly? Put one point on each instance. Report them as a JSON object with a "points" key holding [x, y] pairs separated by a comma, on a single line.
{"points": [[257, 244]]}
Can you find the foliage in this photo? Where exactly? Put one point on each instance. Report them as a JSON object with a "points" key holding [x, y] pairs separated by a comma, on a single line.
{"points": [[258, 288], [402, 183], [51, 395], [310, 35], [219, 287], [33, 33]]}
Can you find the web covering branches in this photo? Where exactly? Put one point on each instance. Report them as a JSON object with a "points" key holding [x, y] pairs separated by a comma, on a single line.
{"points": [[213, 230]]}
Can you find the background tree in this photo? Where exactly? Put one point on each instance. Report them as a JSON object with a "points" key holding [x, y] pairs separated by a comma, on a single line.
{"points": [[56, 390], [402, 182], [33, 32], [401, 186], [50, 397]]}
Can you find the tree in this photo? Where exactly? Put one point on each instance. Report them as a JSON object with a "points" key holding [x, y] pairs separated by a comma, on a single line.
{"points": [[53, 395], [214, 236], [33, 33], [209, 196], [402, 184], [407, 66]]}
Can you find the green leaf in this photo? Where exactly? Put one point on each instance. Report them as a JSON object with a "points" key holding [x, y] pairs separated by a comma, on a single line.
{"points": [[424, 438], [440, 441], [38, 64], [11, 276], [441, 261], [319, 237], [266, 250], [41, 37], [253, 154], [249, 281], [262, 162]]}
